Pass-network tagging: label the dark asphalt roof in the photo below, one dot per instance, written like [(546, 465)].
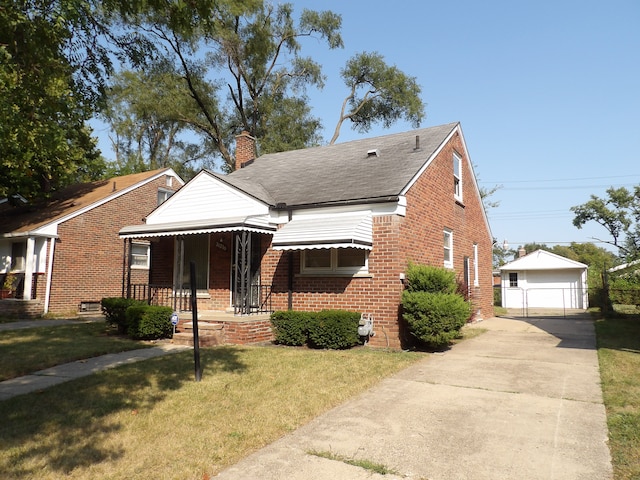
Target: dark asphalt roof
[(342, 172)]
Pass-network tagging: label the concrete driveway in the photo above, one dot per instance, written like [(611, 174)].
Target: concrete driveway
[(521, 401)]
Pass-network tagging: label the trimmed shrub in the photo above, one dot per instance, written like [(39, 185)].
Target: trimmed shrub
[(435, 319), (334, 329), (290, 327), (425, 278), (149, 322), (115, 311)]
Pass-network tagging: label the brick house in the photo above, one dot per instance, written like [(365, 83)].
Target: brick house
[(66, 255), (325, 227)]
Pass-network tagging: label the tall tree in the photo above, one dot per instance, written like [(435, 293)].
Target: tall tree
[(44, 141), (242, 68), (142, 108), (377, 92), (619, 214)]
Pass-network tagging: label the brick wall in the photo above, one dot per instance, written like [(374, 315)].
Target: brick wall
[(88, 263), (431, 208), (417, 237)]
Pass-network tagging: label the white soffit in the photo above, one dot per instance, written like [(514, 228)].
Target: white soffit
[(337, 231)]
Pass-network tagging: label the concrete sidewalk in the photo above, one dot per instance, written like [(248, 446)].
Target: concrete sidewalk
[(521, 401)]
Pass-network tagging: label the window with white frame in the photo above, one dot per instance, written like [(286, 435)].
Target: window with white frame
[(163, 195), (513, 279), (448, 248), (476, 280), (334, 261), (140, 256), (457, 177)]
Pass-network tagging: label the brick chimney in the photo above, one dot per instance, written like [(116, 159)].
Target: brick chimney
[(245, 149), (521, 252)]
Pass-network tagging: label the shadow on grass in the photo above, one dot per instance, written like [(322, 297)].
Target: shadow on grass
[(619, 332), (74, 424)]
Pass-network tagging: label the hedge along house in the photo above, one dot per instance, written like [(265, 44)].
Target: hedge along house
[(543, 279), (65, 255), (329, 227)]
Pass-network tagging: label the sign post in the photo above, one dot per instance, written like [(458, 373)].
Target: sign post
[(194, 316)]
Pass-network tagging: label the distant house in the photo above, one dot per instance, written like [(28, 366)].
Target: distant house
[(543, 279), (65, 255), (331, 227)]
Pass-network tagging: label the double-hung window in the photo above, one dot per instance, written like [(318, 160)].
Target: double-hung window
[(448, 248), (140, 255), (334, 261), (457, 177), (513, 279)]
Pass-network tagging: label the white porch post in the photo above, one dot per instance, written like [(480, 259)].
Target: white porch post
[(29, 268)]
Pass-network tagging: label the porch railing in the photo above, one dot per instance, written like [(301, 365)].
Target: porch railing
[(162, 295), (258, 301)]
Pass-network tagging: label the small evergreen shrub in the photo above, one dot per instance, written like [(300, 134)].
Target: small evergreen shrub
[(115, 311), (334, 329), (435, 319), (290, 327), (149, 322), (425, 278)]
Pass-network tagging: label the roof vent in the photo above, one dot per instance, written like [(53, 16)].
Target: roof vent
[(373, 153), (417, 142)]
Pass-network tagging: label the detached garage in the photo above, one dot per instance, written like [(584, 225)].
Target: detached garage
[(543, 279)]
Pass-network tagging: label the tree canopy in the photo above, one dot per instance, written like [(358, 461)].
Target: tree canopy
[(619, 214), (44, 140), (191, 76)]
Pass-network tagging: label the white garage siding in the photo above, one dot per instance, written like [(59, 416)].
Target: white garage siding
[(543, 279)]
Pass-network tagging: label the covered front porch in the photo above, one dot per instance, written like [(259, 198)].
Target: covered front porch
[(225, 256)]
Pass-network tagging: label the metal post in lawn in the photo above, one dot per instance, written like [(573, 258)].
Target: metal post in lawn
[(194, 317)]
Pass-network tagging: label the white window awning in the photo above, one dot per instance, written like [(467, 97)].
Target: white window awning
[(335, 231), (258, 224)]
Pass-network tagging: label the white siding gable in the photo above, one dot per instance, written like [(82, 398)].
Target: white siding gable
[(205, 197)]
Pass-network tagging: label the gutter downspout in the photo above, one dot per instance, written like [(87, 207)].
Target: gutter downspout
[(47, 293), (290, 273)]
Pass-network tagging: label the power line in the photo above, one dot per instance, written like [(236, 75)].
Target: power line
[(560, 179)]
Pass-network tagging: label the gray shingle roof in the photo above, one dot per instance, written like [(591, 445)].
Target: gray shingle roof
[(342, 172)]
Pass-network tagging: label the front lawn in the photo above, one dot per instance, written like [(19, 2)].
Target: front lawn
[(32, 349), (152, 420), (619, 356)]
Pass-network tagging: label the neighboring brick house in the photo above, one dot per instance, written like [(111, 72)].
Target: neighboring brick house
[(66, 254), (326, 227)]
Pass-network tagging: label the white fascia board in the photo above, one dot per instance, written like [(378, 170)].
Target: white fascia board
[(48, 227)]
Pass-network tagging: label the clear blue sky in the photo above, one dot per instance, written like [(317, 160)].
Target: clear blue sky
[(547, 93)]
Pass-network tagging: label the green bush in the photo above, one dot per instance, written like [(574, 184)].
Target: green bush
[(290, 327), (497, 296), (115, 311), (334, 329), (435, 319), (425, 278), (149, 322)]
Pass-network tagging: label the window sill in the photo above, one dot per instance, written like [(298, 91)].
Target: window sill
[(335, 274), (459, 202)]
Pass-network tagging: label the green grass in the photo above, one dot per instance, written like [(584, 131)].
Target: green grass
[(362, 463), (151, 419), (619, 357), (29, 350)]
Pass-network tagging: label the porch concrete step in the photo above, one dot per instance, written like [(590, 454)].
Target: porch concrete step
[(186, 338)]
